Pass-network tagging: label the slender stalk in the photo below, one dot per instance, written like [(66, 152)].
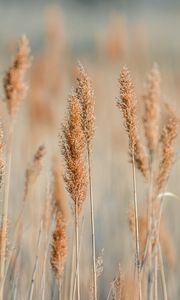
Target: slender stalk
[(150, 221), (77, 284), (163, 279), (17, 273), (60, 290), (137, 267), (72, 269), (5, 208), (156, 278), (36, 263), (77, 266), (43, 277), (109, 293), (92, 227)]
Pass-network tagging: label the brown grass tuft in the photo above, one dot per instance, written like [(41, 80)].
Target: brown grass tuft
[(14, 86), (127, 104), (73, 147), (151, 113), (167, 138), (59, 247), (85, 95)]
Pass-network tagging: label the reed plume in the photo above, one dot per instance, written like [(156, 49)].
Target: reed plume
[(59, 248), (33, 171), (167, 138), (75, 176), (14, 90), (73, 146), (151, 113), (127, 104), (85, 96), (14, 86)]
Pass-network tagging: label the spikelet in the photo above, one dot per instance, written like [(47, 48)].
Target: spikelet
[(14, 86), (151, 113), (127, 104), (33, 171), (85, 95), (167, 138), (59, 247), (73, 147)]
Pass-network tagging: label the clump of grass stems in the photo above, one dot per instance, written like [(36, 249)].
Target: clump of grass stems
[(15, 90), (147, 229)]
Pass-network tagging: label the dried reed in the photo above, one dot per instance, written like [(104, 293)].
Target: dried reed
[(167, 138), (15, 90), (85, 96), (151, 113), (127, 104), (59, 250), (75, 176)]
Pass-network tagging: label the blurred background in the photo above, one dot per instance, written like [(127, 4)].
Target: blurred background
[(104, 35)]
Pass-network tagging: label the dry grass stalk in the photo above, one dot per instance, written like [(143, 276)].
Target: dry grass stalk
[(73, 150), (14, 89), (59, 248), (151, 113), (33, 171), (85, 96), (99, 271), (167, 138), (73, 147), (1, 155), (151, 120), (127, 104), (14, 86)]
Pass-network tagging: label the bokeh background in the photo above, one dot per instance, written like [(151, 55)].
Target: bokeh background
[(104, 35)]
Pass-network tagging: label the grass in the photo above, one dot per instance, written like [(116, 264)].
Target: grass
[(65, 201)]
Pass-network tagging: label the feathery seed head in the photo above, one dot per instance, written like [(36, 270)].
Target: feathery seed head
[(73, 148), (59, 247), (85, 95), (168, 136), (151, 113), (14, 86), (127, 104)]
